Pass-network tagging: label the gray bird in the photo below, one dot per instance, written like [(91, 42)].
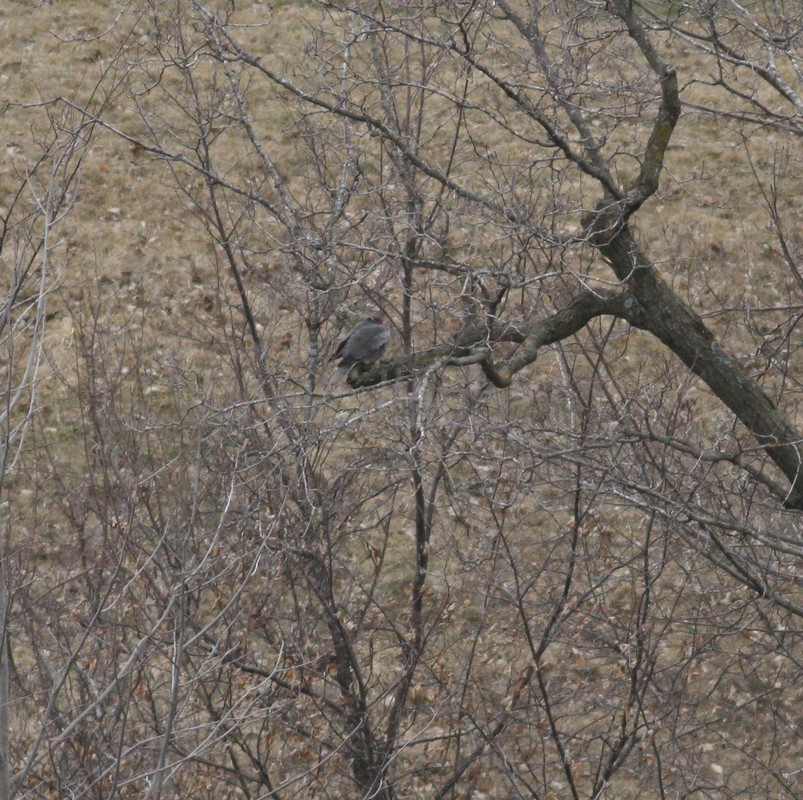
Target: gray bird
[(364, 344)]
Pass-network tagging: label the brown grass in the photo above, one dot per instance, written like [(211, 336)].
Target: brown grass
[(135, 262)]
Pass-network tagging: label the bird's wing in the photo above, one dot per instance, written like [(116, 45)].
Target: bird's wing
[(383, 336), (364, 341), (346, 348), (341, 348), (376, 340)]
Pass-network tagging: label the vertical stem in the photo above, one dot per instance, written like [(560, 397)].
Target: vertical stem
[(421, 561), (4, 651)]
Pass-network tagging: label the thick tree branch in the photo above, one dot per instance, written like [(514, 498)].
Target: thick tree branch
[(671, 320), (662, 130), (476, 342), (583, 308), (668, 113), (677, 325)]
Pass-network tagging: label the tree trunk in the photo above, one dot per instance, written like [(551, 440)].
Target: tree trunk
[(684, 333)]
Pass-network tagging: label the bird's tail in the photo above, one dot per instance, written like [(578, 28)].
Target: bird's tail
[(339, 375)]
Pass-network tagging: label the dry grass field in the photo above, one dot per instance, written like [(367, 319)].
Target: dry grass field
[(221, 580)]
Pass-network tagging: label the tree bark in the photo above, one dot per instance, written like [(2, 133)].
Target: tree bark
[(677, 326)]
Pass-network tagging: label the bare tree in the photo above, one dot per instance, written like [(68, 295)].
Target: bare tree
[(41, 195), (550, 545)]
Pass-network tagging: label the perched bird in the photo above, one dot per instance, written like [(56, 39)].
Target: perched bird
[(364, 344)]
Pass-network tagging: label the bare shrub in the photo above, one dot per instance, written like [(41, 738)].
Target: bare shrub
[(550, 545)]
